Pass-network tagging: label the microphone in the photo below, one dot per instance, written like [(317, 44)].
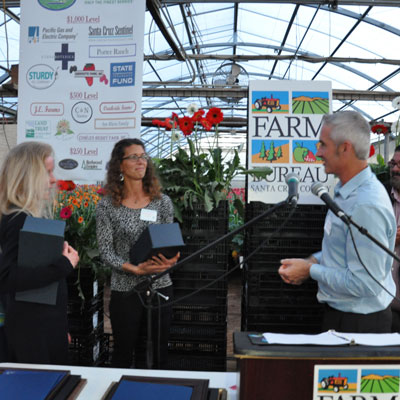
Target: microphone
[(321, 191), (292, 180)]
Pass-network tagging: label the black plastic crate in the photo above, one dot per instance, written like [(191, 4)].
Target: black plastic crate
[(302, 211), (78, 305), (199, 314), (87, 350), (89, 285), (201, 221), (196, 363), (204, 297), (199, 332), (198, 347), (217, 254), (298, 328), (85, 324), (284, 314)]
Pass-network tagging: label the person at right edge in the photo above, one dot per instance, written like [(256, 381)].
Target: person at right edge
[(355, 301), (394, 169)]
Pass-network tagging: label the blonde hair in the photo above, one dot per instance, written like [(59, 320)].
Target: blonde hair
[(24, 180)]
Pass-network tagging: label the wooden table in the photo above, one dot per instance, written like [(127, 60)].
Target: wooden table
[(286, 372)]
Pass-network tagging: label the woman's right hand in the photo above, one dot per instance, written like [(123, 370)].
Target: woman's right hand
[(71, 254), (149, 267)]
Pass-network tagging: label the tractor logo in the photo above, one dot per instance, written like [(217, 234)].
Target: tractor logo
[(269, 104), (335, 382)]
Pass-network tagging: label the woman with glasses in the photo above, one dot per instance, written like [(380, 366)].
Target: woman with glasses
[(133, 201), (35, 332)]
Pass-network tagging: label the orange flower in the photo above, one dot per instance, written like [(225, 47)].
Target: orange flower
[(80, 219)]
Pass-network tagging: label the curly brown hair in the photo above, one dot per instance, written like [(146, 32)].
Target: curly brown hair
[(115, 187)]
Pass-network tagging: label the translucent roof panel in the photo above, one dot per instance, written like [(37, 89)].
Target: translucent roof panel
[(259, 41)]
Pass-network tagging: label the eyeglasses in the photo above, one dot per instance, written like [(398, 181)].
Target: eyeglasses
[(136, 158), (393, 163)]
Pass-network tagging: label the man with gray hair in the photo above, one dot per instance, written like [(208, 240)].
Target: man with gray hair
[(353, 274)]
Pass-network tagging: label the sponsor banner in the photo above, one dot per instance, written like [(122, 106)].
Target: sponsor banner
[(356, 382), (80, 84), (284, 127)]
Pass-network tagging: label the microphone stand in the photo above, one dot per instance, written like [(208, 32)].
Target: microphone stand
[(142, 286), (145, 285)]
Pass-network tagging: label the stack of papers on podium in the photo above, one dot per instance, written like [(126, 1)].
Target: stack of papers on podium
[(333, 338)]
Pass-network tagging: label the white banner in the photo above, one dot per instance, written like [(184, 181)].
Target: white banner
[(80, 80), (284, 127)]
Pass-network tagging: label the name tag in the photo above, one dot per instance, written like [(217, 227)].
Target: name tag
[(148, 215), (328, 225)]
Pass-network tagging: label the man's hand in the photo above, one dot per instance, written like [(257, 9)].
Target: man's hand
[(295, 270)]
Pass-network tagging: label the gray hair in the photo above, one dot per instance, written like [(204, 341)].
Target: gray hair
[(351, 126)]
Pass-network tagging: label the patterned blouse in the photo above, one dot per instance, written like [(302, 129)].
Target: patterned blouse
[(118, 228)]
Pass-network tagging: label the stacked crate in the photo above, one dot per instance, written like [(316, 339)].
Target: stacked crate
[(85, 319), (198, 330), (269, 304)]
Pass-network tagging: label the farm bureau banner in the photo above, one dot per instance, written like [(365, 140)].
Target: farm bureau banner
[(80, 80), (284, 127), (356, 382)]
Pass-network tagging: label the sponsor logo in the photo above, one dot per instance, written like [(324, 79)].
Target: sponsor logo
[(81, 112), (101, 137), (64, 56), (37, 129), (56, 5), (117, 107), (110, 32), (116, 50), (89, 72), (33, 34), (68, 163), (91, 165), (115, 123), (58, 33), (40, 109), (41, 76), (122, 74), (64, 131)]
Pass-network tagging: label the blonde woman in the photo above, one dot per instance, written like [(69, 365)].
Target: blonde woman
[(35, 333)]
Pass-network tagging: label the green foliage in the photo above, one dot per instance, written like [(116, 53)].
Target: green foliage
[(194, 177)]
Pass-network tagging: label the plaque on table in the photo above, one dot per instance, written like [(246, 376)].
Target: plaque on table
[(155, 239), (41, 243)]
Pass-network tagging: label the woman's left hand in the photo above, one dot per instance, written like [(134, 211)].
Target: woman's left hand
[(161, 260)]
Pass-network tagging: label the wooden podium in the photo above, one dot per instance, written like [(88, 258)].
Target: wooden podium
[(287, 372)]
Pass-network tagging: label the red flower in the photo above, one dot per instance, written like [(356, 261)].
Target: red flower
[(186, 125), (197, 116), (380, 129), (371, 150), (65, 213), (206, 124), (101, 191), (66, 185), (215, 115), (170, 123), (158, 122)]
